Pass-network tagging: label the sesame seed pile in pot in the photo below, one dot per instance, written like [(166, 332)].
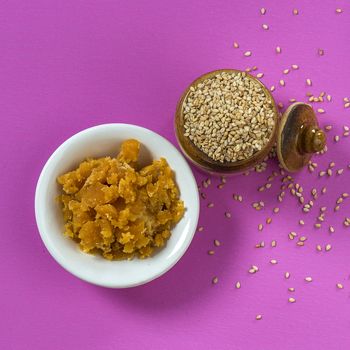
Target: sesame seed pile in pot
[(229, 116)]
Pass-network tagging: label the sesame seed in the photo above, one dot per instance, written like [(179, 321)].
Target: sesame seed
[(328, 127), (329, 98), (291, 289), (318, 247), (272, 88), (247, 53), (282, 82), (340, 286), (301, 222), (338, 10), (263, 10), (273, 244), (260, 75), (308, 279), (308, 82), (320, 52), (211, 252), (295, 12), (260, 227), (317, 225), (217, 243), (228, 215), (302, 238), (286, 71), (328, 247), (347, 105), (236, 45), (320, 110), (345, 195), (291, 300), (286, 275), (265, 26), (340, 171), (238, 285), (215, 280), (300, 244), (210, 205), (268, 220), (278, 49), (273, 261), (331, 229), (295, 66), (200, 228), (258, 317)]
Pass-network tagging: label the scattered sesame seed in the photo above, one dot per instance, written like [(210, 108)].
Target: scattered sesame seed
[(340, 171), (263, 10), (268, 220), (295, 66), (217, 243), (282, 82), (320, 110), (276, 210), (320, 52), (260, 75), (286, 71), (215, 280), (340, 286), (328, 127), (308, 279), (273, 261), (318, 247), (347, 105), (338, 10), (317, 225), (331, 229), (295, 12), (200, 228), (302, 238), (291, 289), (286, 275), (272, 88), (273, 244), (210, 205), (228, 215), (328, 247), (265, 26), (291, 300), (260, 227), (247, 53), (211, 252), (258, 317), (236, 45), (278, 49), (308, 82), (301, 222), (238, 285), (329, 98)]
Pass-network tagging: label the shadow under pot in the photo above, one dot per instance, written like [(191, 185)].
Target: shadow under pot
[(227, 122)]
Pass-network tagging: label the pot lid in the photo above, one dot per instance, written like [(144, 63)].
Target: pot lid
[(298, 136)]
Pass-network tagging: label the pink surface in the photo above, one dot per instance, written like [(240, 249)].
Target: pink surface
[(68, 65)]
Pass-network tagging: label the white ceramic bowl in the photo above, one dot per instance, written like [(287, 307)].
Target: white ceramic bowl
[(104, 140)]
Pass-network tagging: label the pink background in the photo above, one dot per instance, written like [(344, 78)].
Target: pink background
[(68, 65)]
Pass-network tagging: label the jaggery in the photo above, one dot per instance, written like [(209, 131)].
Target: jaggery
[(113, 207)]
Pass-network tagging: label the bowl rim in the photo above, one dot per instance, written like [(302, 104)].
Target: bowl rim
[(59, 257), (202, 160)]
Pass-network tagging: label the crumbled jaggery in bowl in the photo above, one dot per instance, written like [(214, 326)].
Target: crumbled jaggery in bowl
[(113, 207)]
